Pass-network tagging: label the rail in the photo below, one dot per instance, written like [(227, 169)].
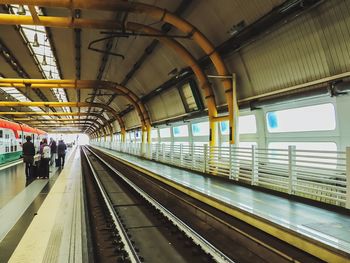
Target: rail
[(133, 256), (216, 254), (319, 175)]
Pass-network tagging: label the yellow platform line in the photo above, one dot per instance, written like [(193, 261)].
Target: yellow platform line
[(304, 243)]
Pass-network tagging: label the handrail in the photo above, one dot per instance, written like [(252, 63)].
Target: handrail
[(323, 176)]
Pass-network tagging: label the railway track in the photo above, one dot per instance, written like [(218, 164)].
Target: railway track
[(133, 220), (131, 226)]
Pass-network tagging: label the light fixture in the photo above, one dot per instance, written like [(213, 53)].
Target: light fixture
[(44, 63), (36, 42), (21, 10)]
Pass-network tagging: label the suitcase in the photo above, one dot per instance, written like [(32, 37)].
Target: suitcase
[(34, 171), (44, 168), (58, 162)]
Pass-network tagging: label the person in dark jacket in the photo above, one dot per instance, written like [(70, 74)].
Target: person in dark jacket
[(61, 152), (28, 155), (53, 148)]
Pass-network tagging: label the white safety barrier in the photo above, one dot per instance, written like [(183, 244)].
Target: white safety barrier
[(318, 175)]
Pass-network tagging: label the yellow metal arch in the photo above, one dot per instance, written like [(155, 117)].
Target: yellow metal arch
[(68, 104), (153, 11)]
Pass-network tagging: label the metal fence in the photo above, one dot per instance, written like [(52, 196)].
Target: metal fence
[(318, 175)]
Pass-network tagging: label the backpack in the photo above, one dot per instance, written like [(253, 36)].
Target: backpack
[(46, 152)]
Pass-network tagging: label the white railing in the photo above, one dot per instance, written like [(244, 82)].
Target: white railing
[(318, 175)]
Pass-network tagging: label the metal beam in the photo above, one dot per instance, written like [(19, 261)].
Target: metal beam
[(66, 104), (156, 13)]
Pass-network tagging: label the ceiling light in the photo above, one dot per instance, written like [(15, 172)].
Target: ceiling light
[(44, 63), (36, 42), (21, 10)]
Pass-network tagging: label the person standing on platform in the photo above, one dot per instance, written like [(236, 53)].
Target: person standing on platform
[(61, 152), (28, 155), (45, 159), (53, 148)]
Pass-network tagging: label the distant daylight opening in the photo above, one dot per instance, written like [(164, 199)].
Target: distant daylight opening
[(70, 139)]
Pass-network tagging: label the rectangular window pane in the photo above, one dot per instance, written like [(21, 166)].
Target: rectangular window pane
[(224, 127), (310, 118), (247, 124), (138, 134), (180, 131), (165, 133), (154, 133), (200, 129)]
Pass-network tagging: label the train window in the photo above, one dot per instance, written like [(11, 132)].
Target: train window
[(1, 133), (165, 133), (246, 125), (180, 131), (302, 119)]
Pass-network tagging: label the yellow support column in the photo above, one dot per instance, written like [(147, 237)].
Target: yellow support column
[(149, 133), (123, 133), (234, 113)]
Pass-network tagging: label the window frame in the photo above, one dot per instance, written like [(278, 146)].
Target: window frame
[(298, 106)]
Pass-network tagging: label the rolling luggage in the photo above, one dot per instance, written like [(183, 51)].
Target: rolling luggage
[(44, 168), (34, 171), (58, 162)]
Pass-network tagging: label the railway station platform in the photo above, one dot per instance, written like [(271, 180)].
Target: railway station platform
[(38, 220), (318, 231)]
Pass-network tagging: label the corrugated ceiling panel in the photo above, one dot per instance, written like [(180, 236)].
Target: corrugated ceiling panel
[(167, 105), (314, 46), (173, 103), (156, 109), (131, 120)]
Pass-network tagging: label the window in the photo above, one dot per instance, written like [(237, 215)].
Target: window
[(164, 133), (246, 125), (180, 131), (200, 129), (1, 133), (154, 134), (310, 118), (138, 134), (6, 149), (225, 127)]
